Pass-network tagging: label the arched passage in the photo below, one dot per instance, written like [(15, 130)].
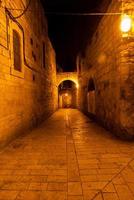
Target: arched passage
[(64, 76), (91, 97), (67, 94)]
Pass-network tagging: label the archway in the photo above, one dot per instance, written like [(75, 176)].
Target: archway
[(67, 94), (63, 76), (91, 97)]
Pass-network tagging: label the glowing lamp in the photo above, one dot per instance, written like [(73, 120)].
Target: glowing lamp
[(66, 94), (126, 24)]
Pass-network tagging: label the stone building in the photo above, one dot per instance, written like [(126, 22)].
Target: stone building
[(106, 72), (28, 91)]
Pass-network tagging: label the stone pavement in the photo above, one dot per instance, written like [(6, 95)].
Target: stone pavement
[(67, 158)]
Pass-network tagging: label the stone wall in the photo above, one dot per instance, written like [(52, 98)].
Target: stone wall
[(30, 95), (109, 63)]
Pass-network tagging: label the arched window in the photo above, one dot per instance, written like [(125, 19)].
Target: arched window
[(91, 86), (17, 51)]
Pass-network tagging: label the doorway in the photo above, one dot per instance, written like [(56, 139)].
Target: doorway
[(91, 104)]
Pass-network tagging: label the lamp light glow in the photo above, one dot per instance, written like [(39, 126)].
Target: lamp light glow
[(126, 24), (77, 85)]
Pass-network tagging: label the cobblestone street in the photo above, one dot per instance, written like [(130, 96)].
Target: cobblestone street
[(69, 157)]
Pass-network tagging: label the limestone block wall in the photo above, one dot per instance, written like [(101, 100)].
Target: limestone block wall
[(28, 96), (109, 63)]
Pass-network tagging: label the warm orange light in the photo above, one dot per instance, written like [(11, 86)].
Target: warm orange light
[(126, 24), (66, 94), (77, 85)]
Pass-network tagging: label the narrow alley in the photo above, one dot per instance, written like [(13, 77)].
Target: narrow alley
[(67, 100), (68, 157)]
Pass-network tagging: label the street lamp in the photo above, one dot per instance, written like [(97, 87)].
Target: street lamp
[(126, 23)]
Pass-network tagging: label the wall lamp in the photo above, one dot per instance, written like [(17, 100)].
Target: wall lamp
[(126, 23)]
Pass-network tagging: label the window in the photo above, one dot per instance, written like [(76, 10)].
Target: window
[(91, 85), (31, 41), (91, 97), (17, 51), (34, 56), (44, 54)]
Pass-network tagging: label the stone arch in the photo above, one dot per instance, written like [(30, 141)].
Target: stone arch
[(68, 79), (72, 77), (64, 76)]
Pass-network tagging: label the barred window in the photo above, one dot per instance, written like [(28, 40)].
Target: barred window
[(17, 51)]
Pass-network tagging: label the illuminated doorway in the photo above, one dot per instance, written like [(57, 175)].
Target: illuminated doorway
[(67, 94)]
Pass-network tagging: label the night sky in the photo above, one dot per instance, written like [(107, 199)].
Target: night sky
[(69, 34)]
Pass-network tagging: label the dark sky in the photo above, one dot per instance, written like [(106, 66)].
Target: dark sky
[(69, 33)]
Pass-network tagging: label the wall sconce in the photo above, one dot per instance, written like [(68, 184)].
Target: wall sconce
[(126, 23)]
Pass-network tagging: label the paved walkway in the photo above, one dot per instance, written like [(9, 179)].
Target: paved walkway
[(68, 158)]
